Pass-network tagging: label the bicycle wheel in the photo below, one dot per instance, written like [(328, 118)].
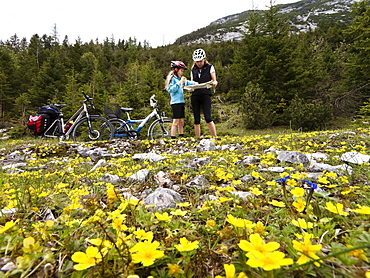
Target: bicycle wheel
[(101, 129), (119, 127), (160, 129)]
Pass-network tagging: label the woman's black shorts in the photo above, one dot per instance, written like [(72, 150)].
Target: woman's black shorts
[(178, 110)]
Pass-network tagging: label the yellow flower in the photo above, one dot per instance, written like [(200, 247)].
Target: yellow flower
[(210, 223), (88, 259), (174, 270), (184, 205), (8, 225), (24, 262), (348, 191), (301, 223), (271, 183), (331, 174), (224, 199), (297, 191), (239, 222), (268, 261), (178, 212), (308, 251), (259, 228), (277, 203), (30, 246), (236, 182), (100, 242), (291, 182), (361, 209), (229, 270), (146, 252), (257, 244), (163, 216), (118, 225), (344, 179), (140, 233), (323, 180), (256, 191), (337, 209), (186, 245), (299, 204), (257, 176), (227, 188), (111, 193), (358, 253)]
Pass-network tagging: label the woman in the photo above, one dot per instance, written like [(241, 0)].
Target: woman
[(175, 83), (202, 72)]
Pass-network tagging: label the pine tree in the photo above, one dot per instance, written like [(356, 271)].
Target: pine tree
[(358, 66)]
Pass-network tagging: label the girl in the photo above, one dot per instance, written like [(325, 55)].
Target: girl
[(175, 83)]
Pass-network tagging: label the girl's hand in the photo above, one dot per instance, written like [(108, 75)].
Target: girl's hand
[(183, 80)]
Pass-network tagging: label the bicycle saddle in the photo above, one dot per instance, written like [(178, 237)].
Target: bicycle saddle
[(126, 109), (59, 106)]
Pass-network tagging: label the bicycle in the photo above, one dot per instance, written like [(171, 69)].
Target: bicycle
[(125, 128), (82, 126)]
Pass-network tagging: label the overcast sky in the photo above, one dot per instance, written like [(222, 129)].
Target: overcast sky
[(159, 22)]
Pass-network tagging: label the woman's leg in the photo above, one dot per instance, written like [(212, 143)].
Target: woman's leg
[(197, 130), (212, 129), (195, 104), (207, 105)]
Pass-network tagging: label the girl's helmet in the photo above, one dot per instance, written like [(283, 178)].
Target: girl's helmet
[(178, 65), (199, 54)]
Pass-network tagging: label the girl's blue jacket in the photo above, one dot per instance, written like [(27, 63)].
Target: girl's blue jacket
[(176, 90)]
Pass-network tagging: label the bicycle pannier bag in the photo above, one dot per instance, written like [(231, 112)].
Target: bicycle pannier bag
[(37, 124)]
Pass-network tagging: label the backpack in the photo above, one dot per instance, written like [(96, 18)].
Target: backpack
[(50, 110), (38, 123)]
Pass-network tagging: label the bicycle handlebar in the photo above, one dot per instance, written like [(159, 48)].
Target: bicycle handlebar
[(89, 99), (152, 101)]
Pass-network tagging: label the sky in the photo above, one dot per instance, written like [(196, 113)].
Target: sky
[(158, 22)]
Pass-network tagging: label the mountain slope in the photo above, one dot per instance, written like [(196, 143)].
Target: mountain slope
[(302, 16)]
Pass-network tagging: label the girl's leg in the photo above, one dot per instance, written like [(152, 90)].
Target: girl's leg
[(175, 124), (180, 127)]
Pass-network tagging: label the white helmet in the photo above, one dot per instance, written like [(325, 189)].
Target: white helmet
[(199, 54)]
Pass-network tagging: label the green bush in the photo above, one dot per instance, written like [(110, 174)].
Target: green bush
[(255, 108), (308, 116)]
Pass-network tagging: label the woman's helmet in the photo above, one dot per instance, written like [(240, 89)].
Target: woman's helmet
[(178, 65), (199, 54)]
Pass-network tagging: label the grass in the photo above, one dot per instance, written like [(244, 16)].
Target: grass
[(282, 229)]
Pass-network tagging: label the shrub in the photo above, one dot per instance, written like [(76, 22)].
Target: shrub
[(255, 108), (309, 116)]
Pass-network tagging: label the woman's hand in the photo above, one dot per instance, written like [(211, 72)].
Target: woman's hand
[(214, 83)]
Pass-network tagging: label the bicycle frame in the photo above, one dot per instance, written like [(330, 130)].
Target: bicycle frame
[(141, 122), (59, 122)]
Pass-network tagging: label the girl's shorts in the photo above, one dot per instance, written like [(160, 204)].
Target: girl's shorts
[(178, 110)]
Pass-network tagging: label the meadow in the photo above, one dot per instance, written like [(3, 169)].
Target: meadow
[(59, 219)]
